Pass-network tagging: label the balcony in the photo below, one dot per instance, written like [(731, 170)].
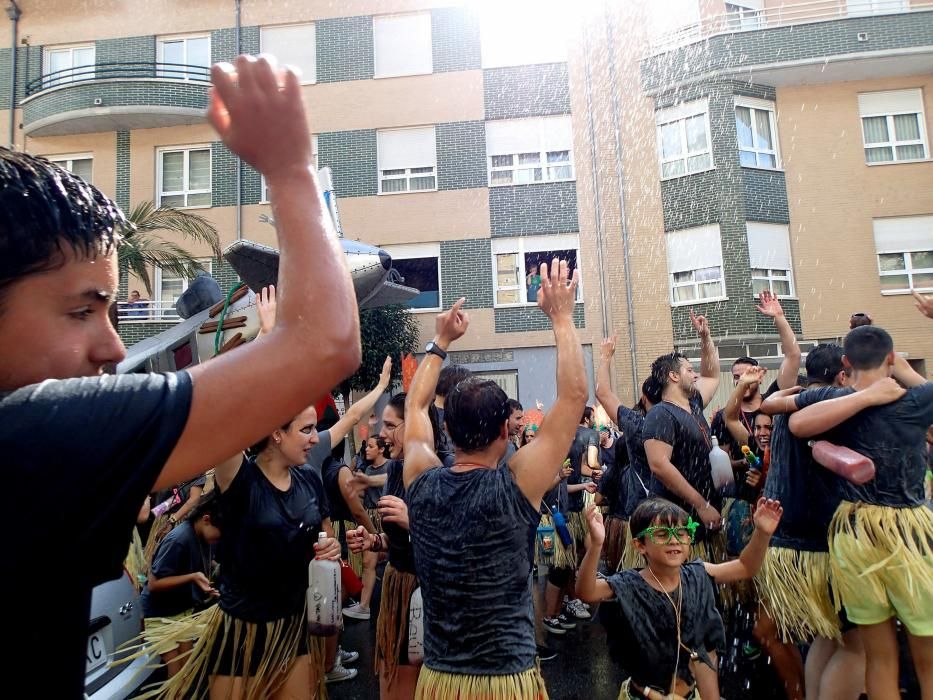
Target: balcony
[(147, 312), (817, 41), (115, 97)]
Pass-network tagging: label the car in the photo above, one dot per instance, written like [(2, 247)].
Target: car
[(116, 618)]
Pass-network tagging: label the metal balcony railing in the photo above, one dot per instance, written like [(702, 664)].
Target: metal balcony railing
[(784, 15), (123, 70), (147, 312)]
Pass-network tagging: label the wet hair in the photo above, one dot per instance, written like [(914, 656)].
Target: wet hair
[(824, 362), (515, 406), (745, 361), (381, 444), (866, 347), (651, 389), (475, 411), (208, 504), (450, 376), (264, 443), (587, 414), (656, 511), (45, 213), (397, 402), (663, 366), (859, 319)]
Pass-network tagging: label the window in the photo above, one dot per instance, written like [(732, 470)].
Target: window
[(419, 264), (511, 35), (683, 139), (506, 379), (67, 64), (169, 287), (317, 166), (77, 165), (769, 258), (402, 45), (185, 57), (184, 177), (516, 262), (905, 253), (892, 126), (876, 7), (694, 261), (293, 45), (522, 151), (757, 133), (407, 160), (745, 15)]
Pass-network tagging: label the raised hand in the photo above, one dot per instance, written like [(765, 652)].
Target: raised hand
[(768, 514), (753, 376), (884, 391), (452, 324), (386, 373), (770, 306), (558, 292), (607, 348), (924, 304), (596, 531), (700, 324), (257, 110), (266, 307)]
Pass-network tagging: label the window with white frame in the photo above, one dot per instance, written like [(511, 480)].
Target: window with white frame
[(402, 45), (407, 160), (769, 258), (684, 139), (757, 133), (876, 7), (694, 263), (292, 45), (516, 264), (317, 166), (169, 287), (185, 57), (905, 253), (66, 64), (744, 15), (419, 265), (523, 151), (893, 126), (184, 177), (80, 165), (510, 35)]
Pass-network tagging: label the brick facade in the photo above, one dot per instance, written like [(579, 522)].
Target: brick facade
[(352, 157), (519, 319), (461, 155), (123, 192), (466, 271), (524, 210), (344, 49), (455, 39), (526, 91), (223, 176)]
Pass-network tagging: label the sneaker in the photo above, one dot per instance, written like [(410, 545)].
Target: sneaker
[(565, 622), (546, 653), (338, 673), (575, 608), (357, 612), (346, 658), (552, 625)]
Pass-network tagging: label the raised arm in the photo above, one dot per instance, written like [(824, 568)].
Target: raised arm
[(419, 435), (535, 464), (351, 496), (790, 366), (708, 381), (906, 374), (782, 401), (732, 411), (591, 589), (362, 408), (924, 304), (659, 460), (767, 516), (604, 393), (826, 415), (241, 396)]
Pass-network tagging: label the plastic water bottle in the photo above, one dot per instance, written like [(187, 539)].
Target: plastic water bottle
[(848, 464), (416, 628), (324, 614), (720, 466)]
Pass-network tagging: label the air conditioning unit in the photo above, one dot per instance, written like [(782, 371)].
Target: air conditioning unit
[(862, 36), (98, 102)]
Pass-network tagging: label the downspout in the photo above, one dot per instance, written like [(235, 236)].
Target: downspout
[(626, 260), (14, 13), (239, 161)]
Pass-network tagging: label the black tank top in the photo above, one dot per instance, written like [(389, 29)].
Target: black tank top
[(400, 552)]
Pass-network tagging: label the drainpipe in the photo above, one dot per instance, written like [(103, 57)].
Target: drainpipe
[(14, 13), (626, 260), (239, 161)]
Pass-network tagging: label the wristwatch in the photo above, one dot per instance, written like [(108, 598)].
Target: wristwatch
[(434, 349)]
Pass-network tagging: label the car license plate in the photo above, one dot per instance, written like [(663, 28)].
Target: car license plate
[(96, 651)]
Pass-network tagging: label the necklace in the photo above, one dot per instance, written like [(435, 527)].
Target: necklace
[(677, 610)]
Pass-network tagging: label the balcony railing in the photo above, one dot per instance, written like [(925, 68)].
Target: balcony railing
[(784, 15), (147, 312), (122, 70)]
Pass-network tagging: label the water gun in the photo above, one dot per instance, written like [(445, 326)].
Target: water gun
[(753, 461)]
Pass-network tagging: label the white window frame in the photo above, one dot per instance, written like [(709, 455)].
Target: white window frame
[(406, 173), (694, 282), (178, 74), (680, 114), (904, 246), (187, 171), (305, 79), (67, 161), (769, 266), (159, 313), (762, 106), (519, 246), (377, 73), (543, 151), (264, 195), (892, 143), (908, 270), (867, 8), (771, 278), (413, 251), (62, 79), (748, 15)]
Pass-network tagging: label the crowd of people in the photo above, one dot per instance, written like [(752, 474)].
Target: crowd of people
[(500, 530)]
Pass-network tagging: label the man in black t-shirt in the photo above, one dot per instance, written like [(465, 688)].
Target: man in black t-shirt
[(93, 445)]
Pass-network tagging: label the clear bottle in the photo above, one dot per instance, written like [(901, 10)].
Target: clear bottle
[(720, 466), (324, 614), (416, 628)]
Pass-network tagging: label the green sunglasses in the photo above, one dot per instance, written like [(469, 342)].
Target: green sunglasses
[(663, 534)]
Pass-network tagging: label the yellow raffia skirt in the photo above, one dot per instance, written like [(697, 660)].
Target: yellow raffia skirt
[(437, 685), (794, 587), (136, 563), (355, 559), (881, 554), (161, 526), (392, 624)]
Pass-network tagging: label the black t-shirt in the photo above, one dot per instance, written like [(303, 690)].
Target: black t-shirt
[(893, 436), (607, 455), (726, 442), (688, 435), (584, 439), (339, 510), (400, 553), (637, 477), (612, 486), (89, 450), (179, 553), (268, 542)]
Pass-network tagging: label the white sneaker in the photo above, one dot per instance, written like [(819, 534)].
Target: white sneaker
[(338, 673), (347, 657), (357, 612), (575, 608)]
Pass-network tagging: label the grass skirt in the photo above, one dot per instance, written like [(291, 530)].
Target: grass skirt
[(614, 544), (392, 623), (376, 519), (437, 685), (355, 559), (878, 548), (137, 566), (161, 526), (794, 587)]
